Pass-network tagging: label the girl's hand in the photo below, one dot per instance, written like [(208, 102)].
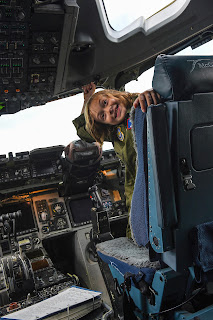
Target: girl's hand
[(88, 89), (146, 98)]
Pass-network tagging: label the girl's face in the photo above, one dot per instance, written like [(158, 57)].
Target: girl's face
[(108, 109)]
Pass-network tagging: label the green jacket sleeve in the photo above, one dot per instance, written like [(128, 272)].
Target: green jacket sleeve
[(79, 124)]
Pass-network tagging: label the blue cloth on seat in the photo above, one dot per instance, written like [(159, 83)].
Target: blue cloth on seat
[(139, 204)]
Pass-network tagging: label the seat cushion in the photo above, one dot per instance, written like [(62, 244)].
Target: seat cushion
[(124, 256)]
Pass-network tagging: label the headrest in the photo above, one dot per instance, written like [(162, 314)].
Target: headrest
[(180, 77), (82, 153), (81, 164)]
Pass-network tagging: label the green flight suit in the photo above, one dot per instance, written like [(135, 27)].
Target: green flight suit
[(122, 140)]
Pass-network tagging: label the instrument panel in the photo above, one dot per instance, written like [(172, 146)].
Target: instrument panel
[(51, 215), (37, 183), (40, 213), (27, 221), (30, 42), (30, 170)]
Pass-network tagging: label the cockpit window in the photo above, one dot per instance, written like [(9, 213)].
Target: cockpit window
[(51, 124), (145, 80), (122, 13)]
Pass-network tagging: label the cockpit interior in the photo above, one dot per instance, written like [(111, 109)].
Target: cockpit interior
[(64, 253)]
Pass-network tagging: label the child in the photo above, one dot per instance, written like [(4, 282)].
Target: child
[(105, 117)]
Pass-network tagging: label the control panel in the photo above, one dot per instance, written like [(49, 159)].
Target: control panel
[(51, 215), (45, 168), (31, 60), (27, 273), (14, 44), (29, 170), (37, 222), (108, 191), (28, 276)]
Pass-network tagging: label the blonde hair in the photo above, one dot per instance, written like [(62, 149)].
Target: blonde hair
[(100, 131)]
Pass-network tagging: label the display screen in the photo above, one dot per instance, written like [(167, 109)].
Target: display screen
[(25, 221), (35, 254), (44, 167), (80, 210), (5, 246)]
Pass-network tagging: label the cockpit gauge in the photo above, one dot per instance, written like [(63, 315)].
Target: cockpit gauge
[(45, 229), (58, 209), (43, 210), (43, 215), (61, 223)]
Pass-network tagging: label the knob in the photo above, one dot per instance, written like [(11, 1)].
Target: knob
[(21, 53), (52, 60), (20, 15), (40, 39), (36, 60), (50, 79), (36, 240), (54, 40)]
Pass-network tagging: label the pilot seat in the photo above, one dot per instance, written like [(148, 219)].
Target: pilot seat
[(165, 272)]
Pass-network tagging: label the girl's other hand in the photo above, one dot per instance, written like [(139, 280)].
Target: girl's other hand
[(88, 89), (146, 98)]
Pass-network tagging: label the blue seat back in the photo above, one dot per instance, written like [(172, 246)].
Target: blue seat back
[(180, 158)]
